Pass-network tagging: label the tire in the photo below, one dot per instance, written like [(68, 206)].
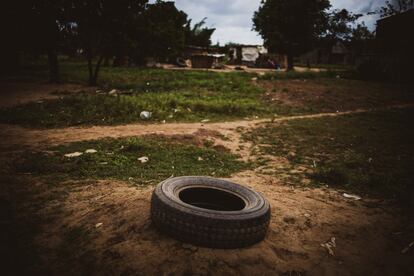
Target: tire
[(210, 212)]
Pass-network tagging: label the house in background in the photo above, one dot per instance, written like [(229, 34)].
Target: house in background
[(328, 53), (246, 54)]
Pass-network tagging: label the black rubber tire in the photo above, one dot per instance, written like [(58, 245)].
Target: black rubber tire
[(209, 228)]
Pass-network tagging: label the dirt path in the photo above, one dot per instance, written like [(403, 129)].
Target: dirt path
[(12, 137)]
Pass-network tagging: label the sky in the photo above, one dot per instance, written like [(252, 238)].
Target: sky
[(233, 18)]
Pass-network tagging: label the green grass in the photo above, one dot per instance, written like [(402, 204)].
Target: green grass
[(170, 95), (365, 153), (118, 159), (87, 109), (193, 96)]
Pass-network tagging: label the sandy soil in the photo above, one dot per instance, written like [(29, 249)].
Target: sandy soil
[(370, 234)]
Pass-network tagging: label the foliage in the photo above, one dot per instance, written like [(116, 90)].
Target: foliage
[(198, 35), (35, 27), (102, 23), (340, 25), (394, 7), (162, 35), (290, 27)]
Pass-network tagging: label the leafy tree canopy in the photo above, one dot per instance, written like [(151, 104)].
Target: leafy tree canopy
[(340, 24), (394, 7), (290, 27), (198, 35)]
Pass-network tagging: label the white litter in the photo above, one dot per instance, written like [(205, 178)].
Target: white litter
[(143, 159), (73, 154), (145, 115), (205, 121), (405, 250), (330, 246), (91, 151), (354, 197), (200, 159), (98, 225)]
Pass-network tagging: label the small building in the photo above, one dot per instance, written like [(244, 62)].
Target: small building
[(206, 61), (328, 53), (246, 54)]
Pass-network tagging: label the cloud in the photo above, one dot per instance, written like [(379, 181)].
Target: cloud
[(233, 18)]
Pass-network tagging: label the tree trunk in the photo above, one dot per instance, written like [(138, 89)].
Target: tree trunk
[(289, 62), (53, 66), (97, 68), (89, 57), (94, 71)]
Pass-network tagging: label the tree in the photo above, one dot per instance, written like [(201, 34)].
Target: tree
[(162, 35), (101, 24), (339, 25), (290, 27), (35, 27), (198, 35), (394, 7)]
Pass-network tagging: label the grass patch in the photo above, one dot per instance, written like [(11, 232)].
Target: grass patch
[(170, 95), (118, 159), (191, 96), (366, 153), (87, 109)]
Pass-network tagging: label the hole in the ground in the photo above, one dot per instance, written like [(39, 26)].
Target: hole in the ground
[(212, 199)]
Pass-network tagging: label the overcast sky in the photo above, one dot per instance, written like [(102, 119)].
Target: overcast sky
[(233, 18)]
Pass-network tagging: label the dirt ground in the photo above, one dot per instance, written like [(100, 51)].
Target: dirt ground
[(15, 93), (115, 237), (331, 95)]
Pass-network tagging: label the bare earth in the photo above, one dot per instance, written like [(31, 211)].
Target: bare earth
[(370, 234)]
